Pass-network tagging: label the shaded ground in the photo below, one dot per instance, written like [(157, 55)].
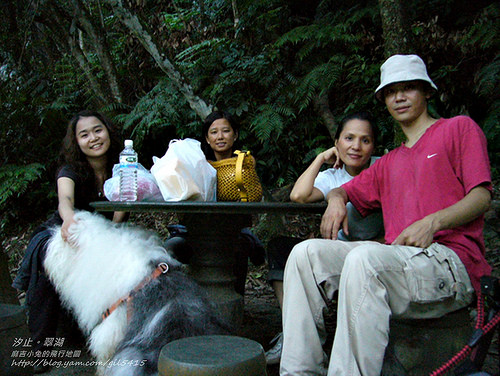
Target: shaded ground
[(262, 320), (262, 316)]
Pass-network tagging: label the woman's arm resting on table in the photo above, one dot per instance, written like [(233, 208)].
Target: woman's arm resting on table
[(304, 191), (421, 233), (335, 215)]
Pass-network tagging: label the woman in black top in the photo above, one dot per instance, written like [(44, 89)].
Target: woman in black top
[(89, 150)]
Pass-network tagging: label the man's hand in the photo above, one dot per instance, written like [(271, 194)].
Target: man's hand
[(421, 233), (418, 234), (335, 215)]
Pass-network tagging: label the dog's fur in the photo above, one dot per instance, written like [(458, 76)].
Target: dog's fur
[(105, 262)]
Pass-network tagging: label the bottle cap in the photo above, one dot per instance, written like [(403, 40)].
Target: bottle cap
[(129, 143)]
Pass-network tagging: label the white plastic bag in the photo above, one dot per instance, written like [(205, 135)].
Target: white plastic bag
[(183, 173), (147, 189)]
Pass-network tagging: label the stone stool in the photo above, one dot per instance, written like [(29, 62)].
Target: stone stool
[(418, 347), (215, 355), (13, 329)]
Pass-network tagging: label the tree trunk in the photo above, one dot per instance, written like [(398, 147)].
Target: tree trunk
[(66, 34), (322, 106), (395, 27), (98, 36), (135, 27), (83, 63), (396, 36), (236, 16), (13, 43)]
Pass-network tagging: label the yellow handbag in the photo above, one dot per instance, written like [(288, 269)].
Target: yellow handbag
[(237, 179)]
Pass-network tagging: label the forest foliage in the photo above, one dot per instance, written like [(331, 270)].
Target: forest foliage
[(289, 70)]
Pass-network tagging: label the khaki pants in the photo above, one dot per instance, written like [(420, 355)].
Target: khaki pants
[(374, 282)]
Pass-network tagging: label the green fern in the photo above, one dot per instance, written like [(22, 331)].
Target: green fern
[(15, 180), (162, 107), (484, 32), (199, 50), (270, 121), (322, 77), (319, 36), (488, 78)]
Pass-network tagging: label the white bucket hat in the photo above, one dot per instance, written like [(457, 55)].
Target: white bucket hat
[(400, 68)]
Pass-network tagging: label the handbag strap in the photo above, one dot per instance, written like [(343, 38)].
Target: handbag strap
[(239, 174)]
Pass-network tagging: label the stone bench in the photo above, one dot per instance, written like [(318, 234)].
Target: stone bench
[(215, 355), (13, 328), (418, 347)]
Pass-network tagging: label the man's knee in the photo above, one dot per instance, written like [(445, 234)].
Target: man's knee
[(364, 255), (305, 251)]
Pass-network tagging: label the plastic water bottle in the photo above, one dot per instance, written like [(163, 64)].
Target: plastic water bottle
[(128, 172)]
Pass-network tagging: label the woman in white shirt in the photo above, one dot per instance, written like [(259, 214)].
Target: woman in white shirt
[(352, 153)]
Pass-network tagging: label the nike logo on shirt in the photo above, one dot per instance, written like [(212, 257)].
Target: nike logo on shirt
[(431, 155)]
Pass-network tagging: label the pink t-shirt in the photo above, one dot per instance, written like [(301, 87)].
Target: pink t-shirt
[(438, 171)]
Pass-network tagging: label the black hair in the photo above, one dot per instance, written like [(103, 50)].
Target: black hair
[(72, 155), (207, 150), (363, 115)]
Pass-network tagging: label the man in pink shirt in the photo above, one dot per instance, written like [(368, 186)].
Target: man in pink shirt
[(433, 191)]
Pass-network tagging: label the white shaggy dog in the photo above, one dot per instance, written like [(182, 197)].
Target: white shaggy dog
[(104, 263)]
